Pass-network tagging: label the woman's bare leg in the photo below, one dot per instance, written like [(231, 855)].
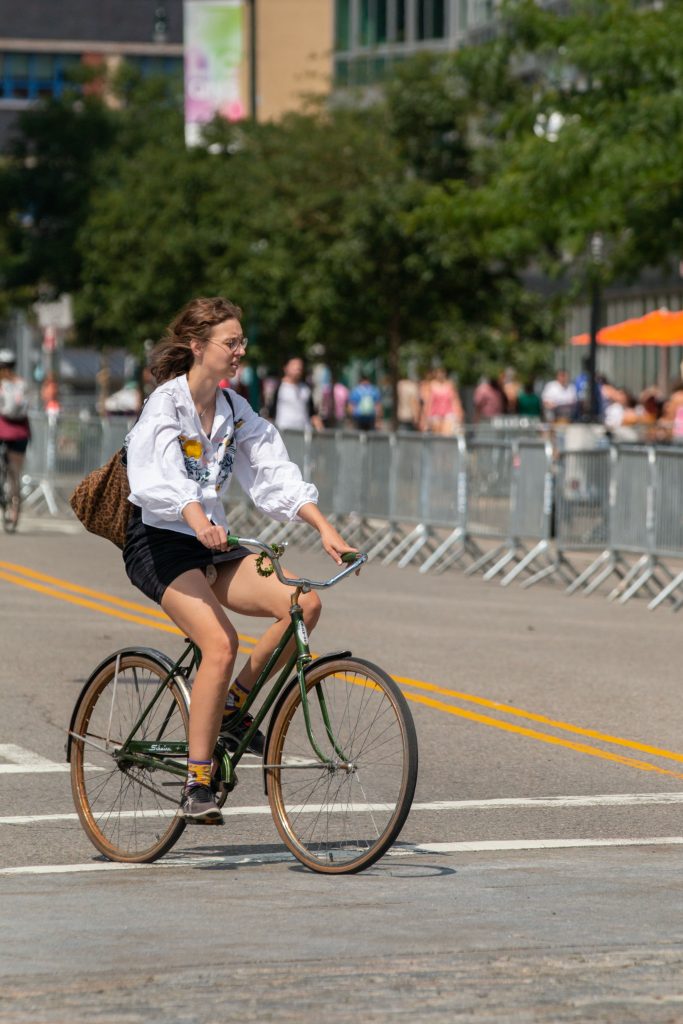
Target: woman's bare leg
[(240, 588), (194, 608)]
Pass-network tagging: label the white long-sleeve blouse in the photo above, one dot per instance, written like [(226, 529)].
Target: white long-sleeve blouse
[(172, 461)]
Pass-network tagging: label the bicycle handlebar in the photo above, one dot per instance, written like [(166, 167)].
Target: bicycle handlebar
[(356, 558)]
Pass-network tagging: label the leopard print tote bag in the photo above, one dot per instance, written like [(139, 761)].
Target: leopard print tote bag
[(101, 500)]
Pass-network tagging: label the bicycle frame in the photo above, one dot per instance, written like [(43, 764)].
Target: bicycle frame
[(155, 753)]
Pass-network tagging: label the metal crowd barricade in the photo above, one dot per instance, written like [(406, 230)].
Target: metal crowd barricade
[(532, 503), (410, 478), (509, 499), (426, 495), (63, 449), (582, 494), (337, 467), (668, 517), (377, 501), (631, 516), (489, 499), (298, 445), (445, 503)]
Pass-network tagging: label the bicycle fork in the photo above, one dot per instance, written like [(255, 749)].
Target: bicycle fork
[(304, 659)]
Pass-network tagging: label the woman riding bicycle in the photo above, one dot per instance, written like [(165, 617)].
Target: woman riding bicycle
[(181, 453), (15, 431)]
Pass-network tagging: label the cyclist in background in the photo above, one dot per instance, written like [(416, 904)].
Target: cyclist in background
[(15, 431)]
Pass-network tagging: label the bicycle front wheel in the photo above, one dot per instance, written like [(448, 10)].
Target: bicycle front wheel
[(338, 816), (128, 810)]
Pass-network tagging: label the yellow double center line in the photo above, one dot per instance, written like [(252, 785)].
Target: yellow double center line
[(145, 615), (22, 576)]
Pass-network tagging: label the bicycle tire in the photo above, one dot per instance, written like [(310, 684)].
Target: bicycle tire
[(9, 520), (127, 812), (313, 806)]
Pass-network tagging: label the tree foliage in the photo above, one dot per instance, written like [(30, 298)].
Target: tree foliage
[(415, 222)]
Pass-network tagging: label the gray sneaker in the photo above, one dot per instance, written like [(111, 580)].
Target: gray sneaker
[(198, 807)]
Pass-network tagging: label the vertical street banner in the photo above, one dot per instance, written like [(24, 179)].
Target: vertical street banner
[(214, 50)]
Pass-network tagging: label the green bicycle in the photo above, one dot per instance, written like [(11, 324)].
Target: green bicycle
[(340, 761)]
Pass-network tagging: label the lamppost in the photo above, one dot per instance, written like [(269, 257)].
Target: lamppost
[(597, 248)]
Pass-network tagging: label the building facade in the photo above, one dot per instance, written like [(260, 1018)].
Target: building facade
[(294, 40), (372, 35), (41, 41)]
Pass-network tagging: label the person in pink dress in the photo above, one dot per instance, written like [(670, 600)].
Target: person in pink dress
[(443, 409)]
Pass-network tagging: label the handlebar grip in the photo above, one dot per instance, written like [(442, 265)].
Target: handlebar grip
[(350, 556), (233, 542)]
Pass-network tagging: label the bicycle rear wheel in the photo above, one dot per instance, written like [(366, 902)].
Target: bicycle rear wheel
[(339, 817), (128, 810), (10, 516)]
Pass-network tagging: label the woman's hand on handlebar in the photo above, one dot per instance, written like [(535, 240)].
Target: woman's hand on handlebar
[(207, 533), (333, 543), (213, 537)]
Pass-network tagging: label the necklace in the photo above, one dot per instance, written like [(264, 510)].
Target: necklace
[(202, 412)]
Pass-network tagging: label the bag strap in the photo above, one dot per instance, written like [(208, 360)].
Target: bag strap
[(228, 397)]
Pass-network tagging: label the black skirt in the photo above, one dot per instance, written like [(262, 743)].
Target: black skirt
[(154, 558)]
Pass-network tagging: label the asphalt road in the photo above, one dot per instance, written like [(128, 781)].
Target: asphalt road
[(536, 878)]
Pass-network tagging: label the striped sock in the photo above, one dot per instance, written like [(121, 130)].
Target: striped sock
[(198, 774)]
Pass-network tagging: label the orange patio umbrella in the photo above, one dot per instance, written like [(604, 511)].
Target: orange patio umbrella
[(662, 327)]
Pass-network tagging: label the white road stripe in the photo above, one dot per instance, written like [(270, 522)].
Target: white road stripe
[(492, 846), (23, 761), (598, 800)]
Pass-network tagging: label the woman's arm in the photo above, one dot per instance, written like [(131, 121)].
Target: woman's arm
[(333, 543)]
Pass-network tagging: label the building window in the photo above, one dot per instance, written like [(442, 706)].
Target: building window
[(342, 25), (482, 12), (431, 20), (463, 19), (361, 71), (151, 65), (28, 76), (342, 73), (400, 21), (373, 22)]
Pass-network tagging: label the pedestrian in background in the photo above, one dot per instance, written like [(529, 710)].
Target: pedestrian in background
[(15, 430), (49, 394), (559, 398), (292, 406), (408, 404), (340, 400), (528, 402), (511, 389), (365, 405), (489, 399), (443, 412)]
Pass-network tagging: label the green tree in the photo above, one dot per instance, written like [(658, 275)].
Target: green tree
[(45, 185)]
